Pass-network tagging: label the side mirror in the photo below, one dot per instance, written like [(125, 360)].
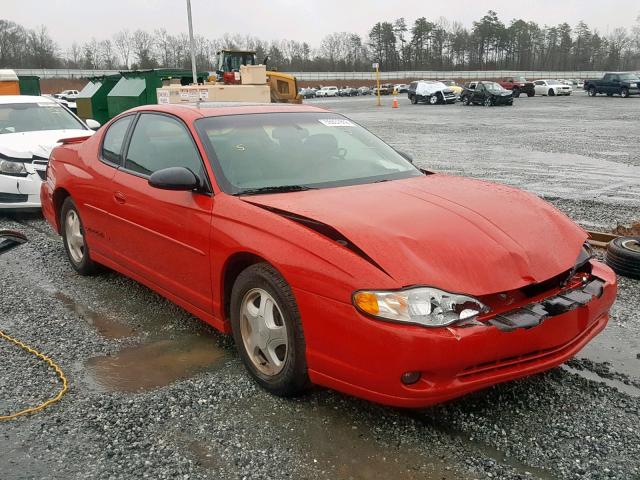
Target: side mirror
[(92, 124), (405, 155), (174, 178)]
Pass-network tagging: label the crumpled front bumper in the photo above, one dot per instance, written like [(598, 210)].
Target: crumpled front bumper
[(365, 357), (20, 192)]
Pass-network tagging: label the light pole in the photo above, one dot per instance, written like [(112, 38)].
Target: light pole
[(191, 42)]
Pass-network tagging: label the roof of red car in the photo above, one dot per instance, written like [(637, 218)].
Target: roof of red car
[(210, 109)]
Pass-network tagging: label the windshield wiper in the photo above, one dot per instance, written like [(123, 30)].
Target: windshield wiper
[(274, 189)]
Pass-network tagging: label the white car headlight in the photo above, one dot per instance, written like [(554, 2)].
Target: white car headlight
[(426, 306), (9, 167)]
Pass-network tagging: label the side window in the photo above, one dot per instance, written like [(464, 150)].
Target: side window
[(607, 77), (114, 138), (158, 142)]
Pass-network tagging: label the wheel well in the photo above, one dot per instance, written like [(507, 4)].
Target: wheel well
[(233, 267), (59, 197)]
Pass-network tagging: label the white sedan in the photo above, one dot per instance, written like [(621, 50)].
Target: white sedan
[(30, 127), (552, 88)]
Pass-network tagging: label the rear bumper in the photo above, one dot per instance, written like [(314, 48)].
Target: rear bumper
[(366, 358)]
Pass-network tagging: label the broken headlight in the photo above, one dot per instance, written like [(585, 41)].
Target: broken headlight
[(9, 167), (425, 306)]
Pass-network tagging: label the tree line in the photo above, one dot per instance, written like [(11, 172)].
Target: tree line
[(396, 45)]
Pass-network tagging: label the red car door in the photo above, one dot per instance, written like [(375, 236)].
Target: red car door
[(163, 235)]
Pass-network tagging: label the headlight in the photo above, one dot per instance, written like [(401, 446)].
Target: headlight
[(425, 306), (13, 168)]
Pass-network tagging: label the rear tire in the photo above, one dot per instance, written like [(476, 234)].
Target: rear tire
[(592, 92), (465, 101), (73, 238), (290, 378), (488, 102), (413, 99)]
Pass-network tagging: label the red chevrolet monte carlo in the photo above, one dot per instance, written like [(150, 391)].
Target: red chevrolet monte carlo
[(327, 254)]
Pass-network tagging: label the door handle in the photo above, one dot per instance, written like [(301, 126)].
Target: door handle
[(120, 197)]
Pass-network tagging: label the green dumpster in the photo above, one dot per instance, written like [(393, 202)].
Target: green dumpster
[(91, 102), (29, 84), (138, 87)]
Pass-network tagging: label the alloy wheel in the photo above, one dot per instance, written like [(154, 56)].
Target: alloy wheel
[(263, 331), (74, 236)]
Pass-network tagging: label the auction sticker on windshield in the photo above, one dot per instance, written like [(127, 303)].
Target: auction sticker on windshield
[(336, 122)]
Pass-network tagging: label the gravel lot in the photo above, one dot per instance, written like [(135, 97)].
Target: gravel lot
[(155, 393)]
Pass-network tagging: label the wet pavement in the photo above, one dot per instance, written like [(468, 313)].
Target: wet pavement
[(155, 392)]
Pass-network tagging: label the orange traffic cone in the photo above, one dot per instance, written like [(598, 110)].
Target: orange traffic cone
[(395, 102)]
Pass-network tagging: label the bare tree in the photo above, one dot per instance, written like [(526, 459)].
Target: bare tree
[(143, 43), (123, 42)]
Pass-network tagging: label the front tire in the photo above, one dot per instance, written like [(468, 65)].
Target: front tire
[(552, 92), (516, 92), (413, 99), (434, 99), (487, 102), (624, 93), (73, 238), (465, 101), (267, 331)]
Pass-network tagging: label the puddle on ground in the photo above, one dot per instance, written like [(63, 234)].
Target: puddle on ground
[(342, 447), (106, 326), (155, 364), (617, 384)]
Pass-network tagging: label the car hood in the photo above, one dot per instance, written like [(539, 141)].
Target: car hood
[(453, 233), (29, 144)]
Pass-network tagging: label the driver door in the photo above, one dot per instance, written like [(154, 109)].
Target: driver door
[(479, 93), (163, 236)]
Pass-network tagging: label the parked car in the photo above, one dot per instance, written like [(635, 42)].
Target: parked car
[(30, 126), (431, 92), (364, 91), (385, 89), (552, 87), (457, 89), (307, 93), (401, 88), (268, 242), (348, 92), (615, 83), (69, 95), (518, 85), (485, 93), (327, 92)]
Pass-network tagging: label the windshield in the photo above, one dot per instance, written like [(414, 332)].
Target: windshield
[(630, 76), (31, 117), (493, 87), (519, 79), (553, 82), (316, 150)]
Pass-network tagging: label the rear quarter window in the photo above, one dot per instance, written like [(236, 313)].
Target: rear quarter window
[(114, 140)]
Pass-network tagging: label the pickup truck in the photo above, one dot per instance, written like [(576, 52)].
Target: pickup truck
[(517, 85), (619, 83)]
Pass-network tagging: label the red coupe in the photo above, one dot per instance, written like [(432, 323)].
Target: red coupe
[(327, 254)]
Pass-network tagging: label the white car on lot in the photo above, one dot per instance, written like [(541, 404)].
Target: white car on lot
[(551, 88), (69, 95), (327, 92), (30, 127)]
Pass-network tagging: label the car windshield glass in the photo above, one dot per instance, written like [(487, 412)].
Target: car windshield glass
[(309, 150), (519, 79), (31, 117), (553, 82), (629, 76), (493, 87)]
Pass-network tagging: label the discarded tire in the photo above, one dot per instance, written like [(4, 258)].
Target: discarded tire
[(623, 256)]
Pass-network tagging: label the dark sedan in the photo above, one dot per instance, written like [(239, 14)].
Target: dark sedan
[(486, 93)]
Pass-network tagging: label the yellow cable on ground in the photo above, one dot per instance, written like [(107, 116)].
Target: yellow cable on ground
[(52, 364)]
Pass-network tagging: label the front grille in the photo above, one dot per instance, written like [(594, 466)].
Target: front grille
[(13, 197)]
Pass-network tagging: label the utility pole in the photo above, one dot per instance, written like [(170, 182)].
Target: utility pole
[(192, 43)]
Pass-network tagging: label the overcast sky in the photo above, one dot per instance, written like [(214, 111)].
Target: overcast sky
[(303, 20)]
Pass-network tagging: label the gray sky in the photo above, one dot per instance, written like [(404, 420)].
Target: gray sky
[(307, 20)]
